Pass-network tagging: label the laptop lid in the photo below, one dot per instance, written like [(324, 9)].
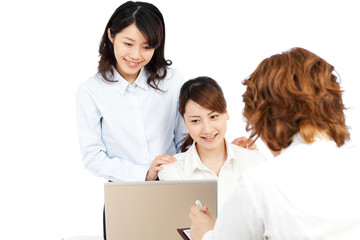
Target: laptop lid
[(154, 210)]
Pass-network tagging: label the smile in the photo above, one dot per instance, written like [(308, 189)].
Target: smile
[(132, 64), (210, 138)]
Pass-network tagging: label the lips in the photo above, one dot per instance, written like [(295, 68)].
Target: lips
[(209, 138), (132, 64)]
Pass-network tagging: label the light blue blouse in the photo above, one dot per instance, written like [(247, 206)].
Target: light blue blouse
[(122, 127)]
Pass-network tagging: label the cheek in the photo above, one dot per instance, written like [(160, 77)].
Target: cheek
[(223, 126), (148, 55), (193, 130), (119, 51)]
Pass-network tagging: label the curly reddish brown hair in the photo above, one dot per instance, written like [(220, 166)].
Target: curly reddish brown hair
[(292, 92)]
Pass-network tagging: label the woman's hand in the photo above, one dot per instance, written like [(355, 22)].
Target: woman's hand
[(201, 222), (156, 166), (244, 143)]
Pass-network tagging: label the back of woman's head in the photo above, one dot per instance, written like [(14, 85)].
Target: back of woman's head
[(292, 92), (149, 20), (204, 91)]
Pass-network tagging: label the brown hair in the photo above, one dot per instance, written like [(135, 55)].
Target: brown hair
[(292, 92), (206, 92), (149, 20)]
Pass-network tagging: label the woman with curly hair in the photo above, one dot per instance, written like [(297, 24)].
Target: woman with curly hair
[(293, 102)]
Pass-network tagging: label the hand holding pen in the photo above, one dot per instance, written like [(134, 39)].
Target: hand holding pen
[(201, 221)]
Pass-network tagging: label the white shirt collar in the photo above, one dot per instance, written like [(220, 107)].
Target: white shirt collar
[(141, 81), (298, 140), (195, 162)]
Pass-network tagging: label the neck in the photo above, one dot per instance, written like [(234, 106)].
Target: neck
[(275, 153), (130, 78), (213, 158)]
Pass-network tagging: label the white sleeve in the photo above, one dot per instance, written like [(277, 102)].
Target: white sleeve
[(93, 149), (239, 219)]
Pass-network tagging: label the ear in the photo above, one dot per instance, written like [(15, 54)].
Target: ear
[(185, 126), (227, 115), (109, 36)]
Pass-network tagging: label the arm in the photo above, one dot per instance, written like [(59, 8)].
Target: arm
[(92, 148)]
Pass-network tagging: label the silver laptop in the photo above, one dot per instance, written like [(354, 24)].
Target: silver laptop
[(154, 210)]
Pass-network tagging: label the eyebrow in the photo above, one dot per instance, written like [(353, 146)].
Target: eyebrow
[(130, 39), (194, 116)]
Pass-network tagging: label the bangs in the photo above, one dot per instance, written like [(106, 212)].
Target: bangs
[(209, 97), (151, 27)]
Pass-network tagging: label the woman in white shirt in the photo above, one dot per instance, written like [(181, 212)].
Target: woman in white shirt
[(310, 190), (127, 113), (206, 154)]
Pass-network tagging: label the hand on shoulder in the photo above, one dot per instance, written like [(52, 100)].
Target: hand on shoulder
[(156, 166)]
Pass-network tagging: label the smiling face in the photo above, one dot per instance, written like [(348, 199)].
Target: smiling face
[(132, 52), (205, 126)]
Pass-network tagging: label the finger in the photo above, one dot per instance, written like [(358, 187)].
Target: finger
[(206, 210), (240, 139), (195, 210), (157, 169), (162, 161), (239, 142), (165, 156), (168, 158)]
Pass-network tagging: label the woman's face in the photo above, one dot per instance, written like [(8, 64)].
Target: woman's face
[(132, 52), (205, 126)]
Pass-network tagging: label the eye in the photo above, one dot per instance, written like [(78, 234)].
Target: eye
[(194, 121), (148, 47), (214, 116), (128, 44)]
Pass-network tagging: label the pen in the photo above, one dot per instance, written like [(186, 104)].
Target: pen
[(197, 202)]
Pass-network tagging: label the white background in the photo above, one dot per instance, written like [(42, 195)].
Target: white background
[(49, 47)]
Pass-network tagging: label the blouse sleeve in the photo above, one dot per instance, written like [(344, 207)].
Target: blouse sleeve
[(93, 149)]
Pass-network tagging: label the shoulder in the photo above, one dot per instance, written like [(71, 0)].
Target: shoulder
[(180, 161), (173, 78), (173, 74), (174, 171), (95, 86), (91, 84)]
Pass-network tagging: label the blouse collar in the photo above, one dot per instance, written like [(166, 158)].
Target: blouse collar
[(141, 81), (193, 161)]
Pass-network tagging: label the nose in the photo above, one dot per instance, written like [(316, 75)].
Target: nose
[(206, 127), (135, 53)]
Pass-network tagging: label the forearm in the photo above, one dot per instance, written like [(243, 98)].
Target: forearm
[(114, 169)]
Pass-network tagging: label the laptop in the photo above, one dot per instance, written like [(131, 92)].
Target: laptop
[(154, 210)]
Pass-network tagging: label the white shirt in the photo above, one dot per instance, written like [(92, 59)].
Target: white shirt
[(189, 167), (310, 191), (122, 127)]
